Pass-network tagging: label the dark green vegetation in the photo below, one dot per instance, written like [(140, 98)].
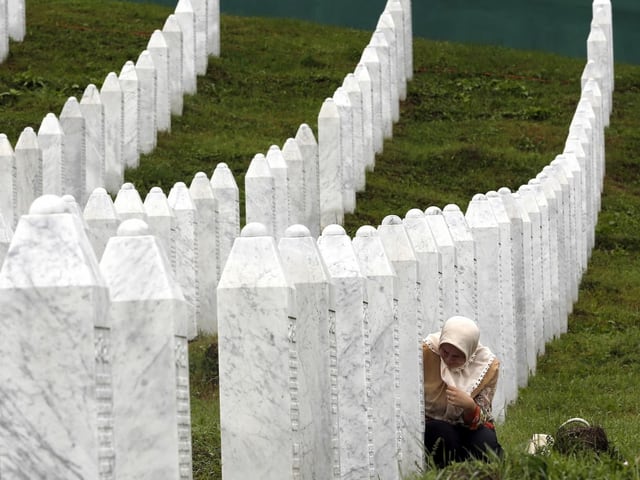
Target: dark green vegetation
[(475, 119)]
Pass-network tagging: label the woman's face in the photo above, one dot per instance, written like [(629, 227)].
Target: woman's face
[(452, 356)]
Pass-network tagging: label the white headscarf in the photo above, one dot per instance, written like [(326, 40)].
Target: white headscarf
[(464, 334)]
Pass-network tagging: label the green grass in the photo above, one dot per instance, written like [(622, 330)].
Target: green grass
[(475, 119)]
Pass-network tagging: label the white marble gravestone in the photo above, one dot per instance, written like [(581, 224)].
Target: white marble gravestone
[(486, 233), (549, 259), (352, 351), (128, 203), (161, 222), (573, 148), (159, 50), (371, 60), (342, 101), (465, 258), (207, 266), (93, 112), (130, 86), (447, 249), (57, 420), (185, 16), (556, 180), (556, 232), (51, 142), (200, 15), (568, 166), (111, 95), (187, 253), (8, 189), (17, 20), (278, 168), (364, 81), (147, 117), (305, 269), (225, 191), (296, 185), (308, 146), (149, 344), (408, 38), (598, 51), (387, 27), (591, 92), (602, 15), (430, 267), (400, 251), (213, 28), (519, 282), (73, 126), (257, 361), (538, 286), (379, 42), (260, 194), (505, 292), (384, 335), (510, 344), (28, 157), (531, 293), (173, 36), (330, 164), (101, 218), (352, 87), (394, 7)]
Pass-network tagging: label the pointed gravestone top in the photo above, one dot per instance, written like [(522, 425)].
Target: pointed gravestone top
[(155, 203), (100, 206), (71, 109), (275, 158), (157, 40), (184, 6), (149, 277), (329, 109), (179, 197), (305, 135), (111, 83), (49, 249), (200, 187), (222, 177), (5, 146), (128, 71), (50, 125), (145, 61), (370, 251), (259, 167), (291, 151), (28, 139), (128, 201), (91, 95), (171, 24)]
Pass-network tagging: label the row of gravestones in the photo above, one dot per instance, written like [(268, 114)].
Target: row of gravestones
[(95, 378), (315, 183), (301, 450), (93, 140), (87, 392), (12, 24), (320, 340)]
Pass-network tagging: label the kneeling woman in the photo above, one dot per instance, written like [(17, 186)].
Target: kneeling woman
[(460, 378)]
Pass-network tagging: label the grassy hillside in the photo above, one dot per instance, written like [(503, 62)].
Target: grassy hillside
[(475, 119)]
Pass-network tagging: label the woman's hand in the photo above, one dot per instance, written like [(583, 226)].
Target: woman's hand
[(460, 398)]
